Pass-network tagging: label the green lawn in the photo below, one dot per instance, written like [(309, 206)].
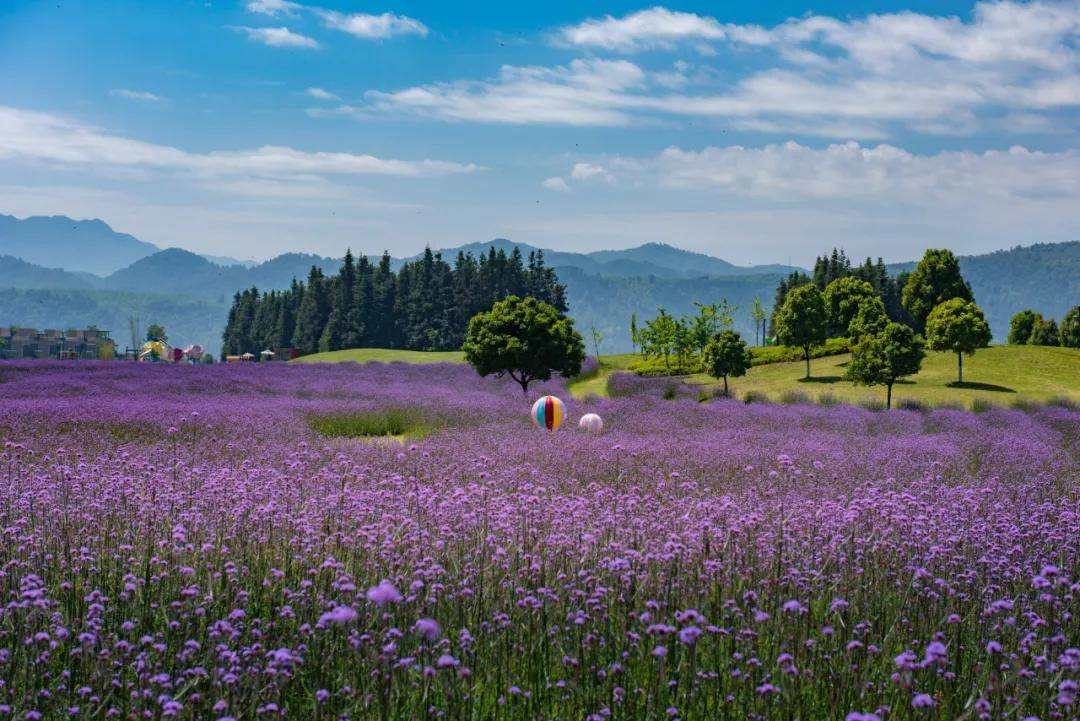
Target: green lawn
[(998, 375), (382, 355)]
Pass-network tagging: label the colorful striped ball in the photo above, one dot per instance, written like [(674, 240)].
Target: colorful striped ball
[(548, 412), (591, 422)]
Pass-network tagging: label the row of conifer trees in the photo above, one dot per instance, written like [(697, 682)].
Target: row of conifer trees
[(425, 304)]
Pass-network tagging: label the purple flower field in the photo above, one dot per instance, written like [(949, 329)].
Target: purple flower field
[(178, 542)]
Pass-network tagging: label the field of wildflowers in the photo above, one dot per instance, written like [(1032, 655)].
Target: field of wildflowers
[(182, 542)]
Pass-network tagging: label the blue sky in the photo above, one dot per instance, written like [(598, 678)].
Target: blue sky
[(758, 132)]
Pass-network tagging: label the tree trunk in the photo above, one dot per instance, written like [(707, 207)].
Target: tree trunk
[(806, 353), (960, 367), (888, 396), (725, 386)]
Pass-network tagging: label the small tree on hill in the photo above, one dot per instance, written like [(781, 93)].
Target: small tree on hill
[(597, 336), (709, 321), (524, 338), (870, 319), (659, 338), (959, 326), (1070, 328), (885, 357), (801, 321), (1045, 332), (843, 298), (726, 355), (758, 315), (1021, 325), (936, 280)]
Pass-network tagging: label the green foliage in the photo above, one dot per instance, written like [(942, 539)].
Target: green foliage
[(802, 321), (1070, 328), (959, 326), (662, 338), (1021, 326), (726, 355), (524, 338), (885, 357), (656, 366), (709, 321), (765, 355), (843, 299), (758, 316), (425, 306), (374, 424), (1045, 332), (157, 330), (870, 318), (935, 280)]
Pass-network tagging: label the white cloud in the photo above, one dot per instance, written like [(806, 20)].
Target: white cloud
[(135, 95), (815, 75), (361, 25), (864, 175), (320, 94), (52, 140), (655, 27), (585, 92), (386, 25), (273, 7), (281, 37), (557, 184), (589, 171)]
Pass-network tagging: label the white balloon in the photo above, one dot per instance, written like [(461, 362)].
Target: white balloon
[(591, 422)]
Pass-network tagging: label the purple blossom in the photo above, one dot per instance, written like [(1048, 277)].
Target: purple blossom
[(383, 593)]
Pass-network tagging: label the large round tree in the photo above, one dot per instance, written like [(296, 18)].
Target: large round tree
[(935, 280), (884, 358), (1021, 326), (959, 326), (843, 298), (802, 321), (524, 338)]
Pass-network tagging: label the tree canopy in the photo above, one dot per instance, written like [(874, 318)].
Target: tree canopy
[(157, 331), (871, 318), (935, 280), (885, 357), (524, 338), (726, 355), (803, 320), (1045, 332), (843, 298), (1070, 328), (424, 305), (959, 326), (1021, 326)]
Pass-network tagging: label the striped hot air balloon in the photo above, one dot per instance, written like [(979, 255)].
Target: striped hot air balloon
[(591, 422), (548, 412)]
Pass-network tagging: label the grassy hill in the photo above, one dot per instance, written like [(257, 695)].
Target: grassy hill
[(382, 355), (998, 375)]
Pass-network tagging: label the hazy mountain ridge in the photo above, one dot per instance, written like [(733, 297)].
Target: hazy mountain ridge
[(59, 241), (604, 287), (78, 246)]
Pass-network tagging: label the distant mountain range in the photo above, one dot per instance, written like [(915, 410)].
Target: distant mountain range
[(190, 293), (87, 246)]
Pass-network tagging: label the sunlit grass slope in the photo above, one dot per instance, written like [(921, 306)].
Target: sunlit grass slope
[(382, 355)]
